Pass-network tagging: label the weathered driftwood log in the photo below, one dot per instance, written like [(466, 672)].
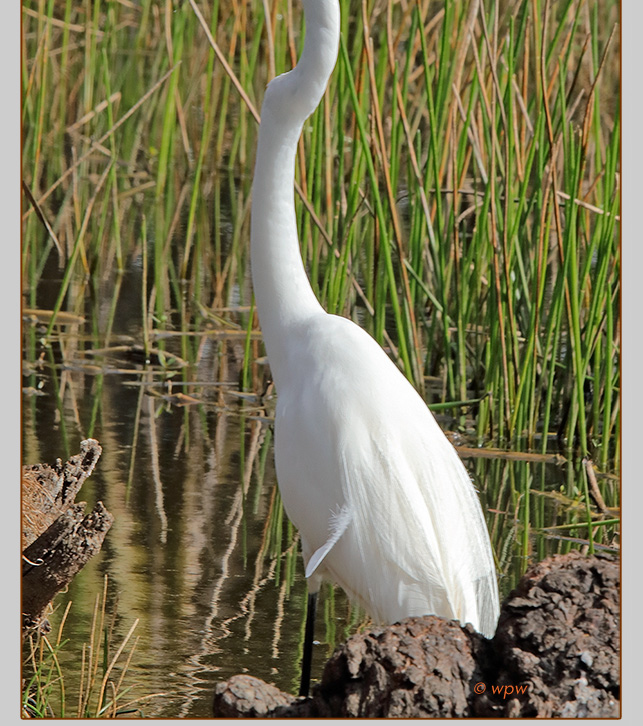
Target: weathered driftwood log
[(47, 491), (555, 654), (57, 538)]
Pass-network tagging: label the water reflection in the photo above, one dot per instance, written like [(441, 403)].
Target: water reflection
[(200, 550)]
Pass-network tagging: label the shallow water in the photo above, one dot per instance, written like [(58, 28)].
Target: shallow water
[(199, 551), (192, 489)]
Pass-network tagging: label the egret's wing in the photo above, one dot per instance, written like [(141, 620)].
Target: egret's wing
[(416, 541), (417, 523), (337, 526), (416, 514)]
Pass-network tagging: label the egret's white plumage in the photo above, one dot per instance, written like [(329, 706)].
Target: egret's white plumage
[(384, 505)]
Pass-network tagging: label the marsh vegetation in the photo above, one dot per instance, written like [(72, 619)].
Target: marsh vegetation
[(458, 196)]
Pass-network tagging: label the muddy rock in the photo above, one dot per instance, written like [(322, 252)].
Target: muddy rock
[(558, 638), (422, 666), (247, 697), (555, 654)]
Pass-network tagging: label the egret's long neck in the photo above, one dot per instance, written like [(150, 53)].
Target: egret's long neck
[(283, 293)]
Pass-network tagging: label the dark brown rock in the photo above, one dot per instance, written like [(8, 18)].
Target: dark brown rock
[(420, 667), (247, 697), (556, 653), (558, 638)]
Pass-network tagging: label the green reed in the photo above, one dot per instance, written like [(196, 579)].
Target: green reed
[(460, 196), (102, 689)]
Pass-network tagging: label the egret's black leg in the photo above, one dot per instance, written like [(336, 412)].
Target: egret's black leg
[(306, 661)]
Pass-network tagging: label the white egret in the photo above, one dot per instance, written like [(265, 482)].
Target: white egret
[(383, 504)]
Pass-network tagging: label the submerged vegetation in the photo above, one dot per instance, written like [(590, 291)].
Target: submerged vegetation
[(458, 197)]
